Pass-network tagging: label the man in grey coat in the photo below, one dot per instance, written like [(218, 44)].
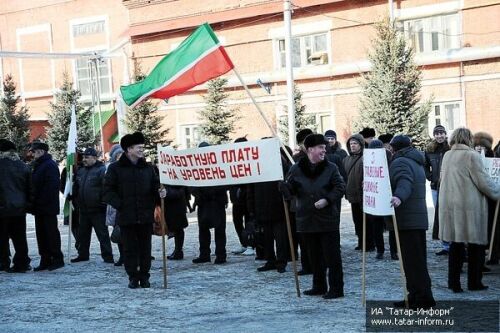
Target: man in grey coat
[(408, 185), (89, 190)]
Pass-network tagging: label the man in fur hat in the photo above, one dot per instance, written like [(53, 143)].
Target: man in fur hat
[(46, 183), (317, 185), (368, 135), (433, 158), (15, 199), (131, 186)]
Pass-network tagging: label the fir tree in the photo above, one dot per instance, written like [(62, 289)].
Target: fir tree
[(60, 118), (14, 121), (145, 118), (390, 91), (302, 119), (217, 120)]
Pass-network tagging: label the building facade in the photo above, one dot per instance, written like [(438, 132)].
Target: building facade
[(38, 38), (457, 44)]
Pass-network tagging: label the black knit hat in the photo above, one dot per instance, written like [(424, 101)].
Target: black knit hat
[(130, 140), (385, 138), (438, 128), (301, 135), (313, 140), (39, 145), (376, 144), (90, 152), (367, 132), (400, 141), (6, 145), (330, 134), (203, 144)]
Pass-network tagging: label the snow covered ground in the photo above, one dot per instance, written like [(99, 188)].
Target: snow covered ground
[(93, 296)]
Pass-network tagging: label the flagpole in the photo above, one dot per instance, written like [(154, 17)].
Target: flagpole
[(70, 223), (98, 85), (401, 267), (287, 18), (262, 114)]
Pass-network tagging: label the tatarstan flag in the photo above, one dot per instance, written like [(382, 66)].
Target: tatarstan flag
[(199, 58)]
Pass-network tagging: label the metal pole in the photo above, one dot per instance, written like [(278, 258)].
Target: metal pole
[(391, 10), (287, 16), (98, 85)]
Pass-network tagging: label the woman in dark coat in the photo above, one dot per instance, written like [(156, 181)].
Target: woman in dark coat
[(176, 204)]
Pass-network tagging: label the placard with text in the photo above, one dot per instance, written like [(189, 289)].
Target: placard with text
[(377, 190), (228, 164)]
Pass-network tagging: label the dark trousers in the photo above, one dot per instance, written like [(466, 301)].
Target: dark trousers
[(475, 265), (179, 240), (324, 254), (414, 255), (97, 221), (275, 231), (48, 239), (136, 239), (14, 228), (300, 242), (205, 237), (357, 218), (239, 216), (378, 225)]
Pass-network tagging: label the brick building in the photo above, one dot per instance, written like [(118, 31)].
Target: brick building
[(63, 27), (457, 44)]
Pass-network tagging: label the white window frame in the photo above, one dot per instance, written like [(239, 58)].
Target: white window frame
[(299, 30), (303, 58), (458, 115), (182, 128), (96, 48), (47, 28), (429, 24)]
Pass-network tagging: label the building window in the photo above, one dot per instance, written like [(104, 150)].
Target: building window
[(190, 135), (84, 75), (97, 27), (447, 114), (306, 50), (322, 122), (434, 33)]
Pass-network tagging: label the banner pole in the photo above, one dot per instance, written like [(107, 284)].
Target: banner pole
[(164, 230), (403, 275), (292, 248), (363, 274), (263, 115), (70, 217), (493, 230)]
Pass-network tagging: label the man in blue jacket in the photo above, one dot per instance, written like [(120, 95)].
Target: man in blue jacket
[(408, 185), (89, 190), (46, 207)]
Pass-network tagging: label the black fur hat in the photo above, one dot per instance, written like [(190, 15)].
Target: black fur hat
[(302, 134), (367, 132), (130, 140), (35, 145), (385, 138), (313, 140), (6, 145)]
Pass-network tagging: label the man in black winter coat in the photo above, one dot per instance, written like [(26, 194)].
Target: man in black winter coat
[(211, 203), (265, 206), (89, 188), (131, 187), (16, 195), (46, 207), (408, 187), (317, 186)]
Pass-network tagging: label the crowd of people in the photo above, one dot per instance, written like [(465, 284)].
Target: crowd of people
[(125, 193)]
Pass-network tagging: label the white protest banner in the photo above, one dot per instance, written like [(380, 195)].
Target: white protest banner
[(228, 164), (377, 190), (492, 166)]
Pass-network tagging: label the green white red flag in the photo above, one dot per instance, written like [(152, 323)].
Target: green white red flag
[(199, 58)]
